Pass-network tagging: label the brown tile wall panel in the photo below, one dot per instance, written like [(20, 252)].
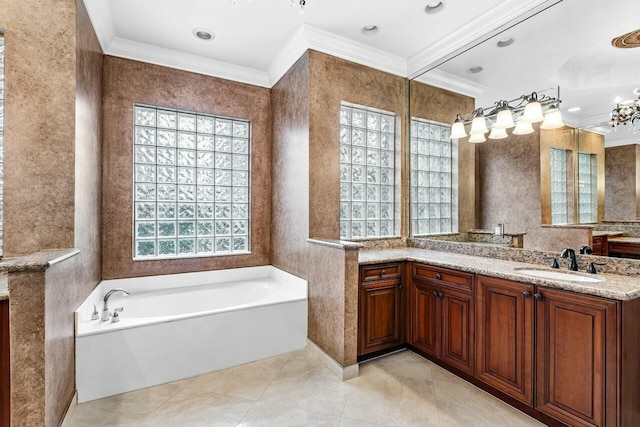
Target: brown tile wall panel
[(440, 105), (39, 129), (332, 80), (620, 183), (290, 170), (127, 82)]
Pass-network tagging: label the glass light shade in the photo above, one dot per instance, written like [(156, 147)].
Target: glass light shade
[(477, 138), (504, 120), (498, 133), (479, 126), (523, 128), (552, 120), (532, 112), (458, 131)]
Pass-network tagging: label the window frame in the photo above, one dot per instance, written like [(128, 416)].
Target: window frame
[(134, 200)]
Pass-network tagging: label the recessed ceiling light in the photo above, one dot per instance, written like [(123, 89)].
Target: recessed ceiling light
[(507, 41), (475, 69), (203, 34), (434, 7), (370, 29), (573, 109)]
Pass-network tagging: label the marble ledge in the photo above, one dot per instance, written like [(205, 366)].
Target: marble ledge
[(492, 233), (4, 287), (618, 287), (38, 261), (607, 233), (336, 244)]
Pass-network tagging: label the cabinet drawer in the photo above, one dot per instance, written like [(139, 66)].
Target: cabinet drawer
[(442, 276), (380, 272)]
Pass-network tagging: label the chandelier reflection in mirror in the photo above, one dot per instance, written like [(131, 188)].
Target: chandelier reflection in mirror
[(627, 112), (299, 3), (519, 113)]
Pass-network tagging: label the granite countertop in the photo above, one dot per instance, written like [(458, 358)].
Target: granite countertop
[(617, 287), (607, 233), (38, 261), (4, 287), (634, 240)]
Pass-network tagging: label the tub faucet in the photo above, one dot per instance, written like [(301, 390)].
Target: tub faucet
[(105, 309), (571, 254)]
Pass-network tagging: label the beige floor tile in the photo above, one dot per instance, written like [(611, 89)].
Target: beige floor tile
[(194, 408), (183, 383), (300, 361), (246, 381), (266, 415), (316, 390), (400, 365), (345, 422), (465, 405), (378, 396)]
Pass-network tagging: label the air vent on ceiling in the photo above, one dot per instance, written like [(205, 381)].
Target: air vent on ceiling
[(628, 40)]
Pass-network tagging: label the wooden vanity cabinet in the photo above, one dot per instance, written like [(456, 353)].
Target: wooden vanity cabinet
[(504, 336), (4, 364), (600, 245), (442, 315), (577, 358), (380, 308)]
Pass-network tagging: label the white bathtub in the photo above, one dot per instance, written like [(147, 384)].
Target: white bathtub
[(181, 325)]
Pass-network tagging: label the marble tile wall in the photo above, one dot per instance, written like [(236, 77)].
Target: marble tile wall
[(290, 170), (127, 82), (620, 182)]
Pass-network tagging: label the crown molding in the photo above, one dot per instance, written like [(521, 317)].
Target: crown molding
[(186, 61), (595, 120), (448, 81), (475, 32), (293, 49), (633, 141), (100, 17), (571, 120)]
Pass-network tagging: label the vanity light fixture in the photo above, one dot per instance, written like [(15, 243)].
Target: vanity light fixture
[(519, 113), (203, 34), (627, 112), (434, 7)]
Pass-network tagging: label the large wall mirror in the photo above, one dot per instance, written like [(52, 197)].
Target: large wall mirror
[(571, 180)]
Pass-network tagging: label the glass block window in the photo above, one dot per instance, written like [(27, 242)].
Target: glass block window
[(559, 186), (1, 141), (433, 178), (367, 173), (587, 188), (191, 179)]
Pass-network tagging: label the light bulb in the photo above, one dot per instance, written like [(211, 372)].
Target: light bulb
[(498, 133), (523, 128), (552, 120), (478, 125), (532, 112), (504, 120), (457, 129), (477, 138)]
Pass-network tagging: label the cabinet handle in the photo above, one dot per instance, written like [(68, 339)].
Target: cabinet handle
[(400, 287), (537, 297), (526, 294), (440, 294), (383, 272), (434, 293), (438, 276)]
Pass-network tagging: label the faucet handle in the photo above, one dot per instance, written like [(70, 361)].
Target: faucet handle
[(554, 263), (591, 268), (586, 250), (95, 315), (116, 316)]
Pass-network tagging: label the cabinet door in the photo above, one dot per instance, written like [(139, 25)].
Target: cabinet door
[(425, 318), (505, 336), (576, 358), (380, 316), (458, 332), (4, 364)]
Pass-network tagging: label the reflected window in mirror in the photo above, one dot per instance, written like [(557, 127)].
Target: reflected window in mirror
[(561, 194), (1, 139), (587, 188), (367, 173), (433, 178)]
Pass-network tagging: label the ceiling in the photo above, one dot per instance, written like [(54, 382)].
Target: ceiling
[(257, 41), (567, 45)]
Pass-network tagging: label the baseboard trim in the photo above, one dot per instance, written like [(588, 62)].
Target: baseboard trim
[(343, 372), (71, 409)]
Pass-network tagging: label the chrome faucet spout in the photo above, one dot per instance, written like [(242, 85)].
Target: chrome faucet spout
[(571, 254), (105, 308)]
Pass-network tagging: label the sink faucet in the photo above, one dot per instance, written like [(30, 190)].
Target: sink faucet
[(105, 309), (571, 254)]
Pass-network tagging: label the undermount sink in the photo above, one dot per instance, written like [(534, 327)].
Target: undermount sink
[(558, 275)]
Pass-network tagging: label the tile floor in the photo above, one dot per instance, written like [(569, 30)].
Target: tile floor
[(296, 389)]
